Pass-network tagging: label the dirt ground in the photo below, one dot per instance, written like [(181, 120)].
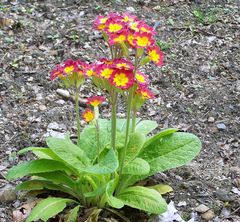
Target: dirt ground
[(197, 90)]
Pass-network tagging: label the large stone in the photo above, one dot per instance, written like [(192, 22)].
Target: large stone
[(7, 194), (208, 216), (201, 208)]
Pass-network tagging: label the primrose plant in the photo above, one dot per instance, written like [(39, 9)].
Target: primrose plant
[(103, 168)]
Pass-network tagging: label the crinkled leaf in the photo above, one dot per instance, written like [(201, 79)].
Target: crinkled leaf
[(73, 214), (68, 152), (171, 151), (88, 140), (146, 126), (35, 166), (48, 208), (160, 135), (108, 164), (113, 201), (137, 166), (168, 151), (136, 141), (144, 199)]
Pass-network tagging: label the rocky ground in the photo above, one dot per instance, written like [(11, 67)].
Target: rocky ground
[(197, 90)]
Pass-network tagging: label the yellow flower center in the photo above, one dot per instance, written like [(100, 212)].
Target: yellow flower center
[(89, 116), (130, 39), (140, 78), (89, 72), (121, 65), (114, 27), (145, 95), (95, 102), (69, 69), (142, 41), (134, 25), (106, 73), (144, 29), (154, 56), (103, 20), (126, 18), (101, 27), (120, 38), (121, 79)]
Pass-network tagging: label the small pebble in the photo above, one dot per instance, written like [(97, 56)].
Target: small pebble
[(42, 107), (209, 215), (211, 119), (64, 93), (201, 208), (60, 102), (221, 126), (53, 125), (30, 79), (182, 203), (130, 9)]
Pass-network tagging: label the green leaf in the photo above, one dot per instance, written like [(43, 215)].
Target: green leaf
[(48, 208), (68, 152), (113, 201), (73, 214), (37, 184), (146, 126), (162, 188), (58, 177), (165, 151), (97, 192), (136, 141), (171, 151), (160, 135), (32, 185), (35, 166), (143, 198), (107, 165), (137, 167), (41, 152), (88, 140)]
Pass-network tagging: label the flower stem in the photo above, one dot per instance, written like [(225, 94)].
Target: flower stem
[(114, 120), (134, 113), (77, 115), (129, 105), (98, 140)]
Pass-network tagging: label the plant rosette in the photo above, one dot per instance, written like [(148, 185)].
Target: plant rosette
[(103, 168)]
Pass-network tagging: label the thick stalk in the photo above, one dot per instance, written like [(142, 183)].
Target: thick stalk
[(129, 106), (98, 140), (134, 114), (77, 115)]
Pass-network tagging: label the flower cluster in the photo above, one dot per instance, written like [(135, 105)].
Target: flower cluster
[(119, 72), (68, 68), (122, 32), (128, 29)]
